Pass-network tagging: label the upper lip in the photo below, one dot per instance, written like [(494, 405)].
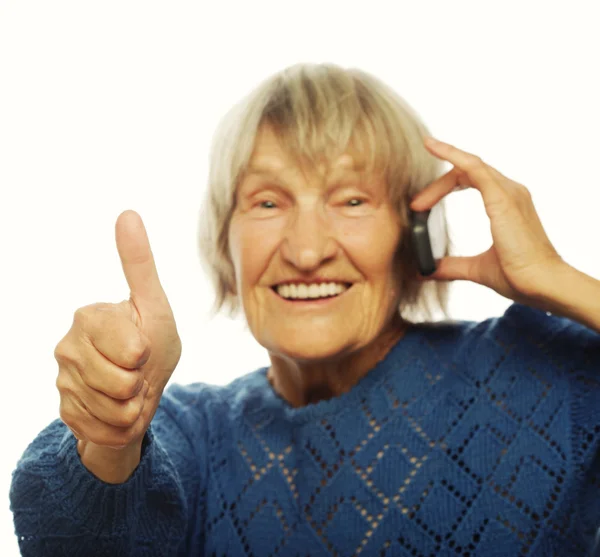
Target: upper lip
[(311, 281)]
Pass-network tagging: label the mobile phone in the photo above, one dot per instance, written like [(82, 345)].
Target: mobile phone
[(426, 232)]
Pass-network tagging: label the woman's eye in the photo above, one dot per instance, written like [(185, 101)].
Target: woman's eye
[(355, 202), (267, 205)]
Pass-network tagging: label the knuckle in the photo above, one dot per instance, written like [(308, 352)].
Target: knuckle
[(130, 414), (524, 192), (67, 415), (82, 316), (134, 408), (68, 355), (61, 383), (475, 162), (62, 353), (134, 352), (128, 388), (59, 354), (90, 318), (122, 391)]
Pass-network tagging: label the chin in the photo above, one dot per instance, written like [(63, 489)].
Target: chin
[(309, 347)]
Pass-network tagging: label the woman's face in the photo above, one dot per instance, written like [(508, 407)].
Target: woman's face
[(308, 230)]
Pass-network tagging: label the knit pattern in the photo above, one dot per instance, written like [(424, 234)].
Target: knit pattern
[(468, 439)]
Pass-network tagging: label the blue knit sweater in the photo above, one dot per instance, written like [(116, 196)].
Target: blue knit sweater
[(467, 439)]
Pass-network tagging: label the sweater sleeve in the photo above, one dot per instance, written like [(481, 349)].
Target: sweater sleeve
[(60, 508)]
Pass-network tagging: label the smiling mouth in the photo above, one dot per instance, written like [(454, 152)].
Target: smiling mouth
[(312, 292)]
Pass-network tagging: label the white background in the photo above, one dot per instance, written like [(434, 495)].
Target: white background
[(107, 106)]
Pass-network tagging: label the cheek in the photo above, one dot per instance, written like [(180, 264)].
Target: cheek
[(251, 245), (370, 243)]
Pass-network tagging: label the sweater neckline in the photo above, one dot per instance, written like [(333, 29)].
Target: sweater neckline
[(395, 361)]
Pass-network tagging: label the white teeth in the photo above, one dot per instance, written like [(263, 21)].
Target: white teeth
[(310, 291), (302, 291)]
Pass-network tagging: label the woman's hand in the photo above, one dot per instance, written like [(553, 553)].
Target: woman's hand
[(521, 258), (115, 361)]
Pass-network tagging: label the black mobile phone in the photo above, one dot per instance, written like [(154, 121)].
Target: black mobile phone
[(421, 241)]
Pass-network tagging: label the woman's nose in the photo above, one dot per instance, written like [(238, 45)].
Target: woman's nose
[(308, 242)]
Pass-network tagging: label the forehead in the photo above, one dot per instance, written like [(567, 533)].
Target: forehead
[(269, 156)]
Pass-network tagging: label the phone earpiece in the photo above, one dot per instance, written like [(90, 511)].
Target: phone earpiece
[(421, 242)]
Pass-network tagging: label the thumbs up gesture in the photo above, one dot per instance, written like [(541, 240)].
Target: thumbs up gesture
[(116, 359)]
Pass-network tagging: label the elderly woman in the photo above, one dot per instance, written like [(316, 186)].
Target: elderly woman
[(374, 430)]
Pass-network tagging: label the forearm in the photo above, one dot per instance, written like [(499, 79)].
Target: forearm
[(572, 294)]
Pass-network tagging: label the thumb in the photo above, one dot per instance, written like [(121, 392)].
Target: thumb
[(454, 268), (137, 259)]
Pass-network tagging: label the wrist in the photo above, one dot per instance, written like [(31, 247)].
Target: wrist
[(572, 294), (110, 465)]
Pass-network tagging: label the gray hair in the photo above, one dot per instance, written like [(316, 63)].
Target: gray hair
[(321, 110)]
